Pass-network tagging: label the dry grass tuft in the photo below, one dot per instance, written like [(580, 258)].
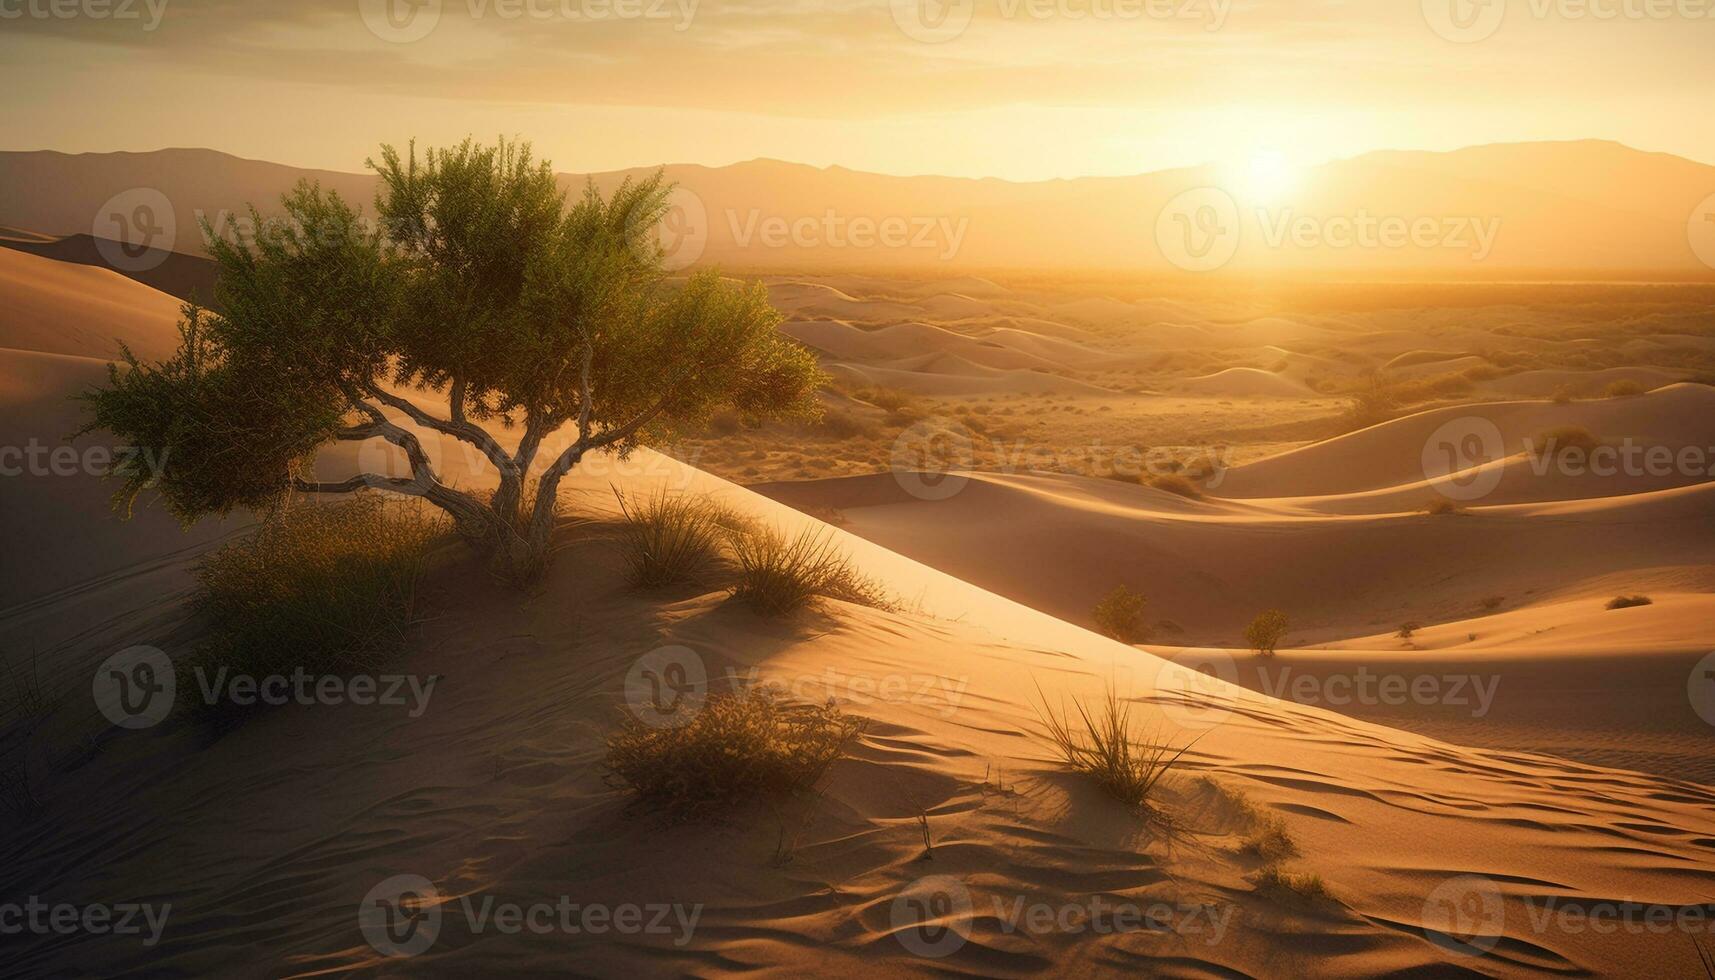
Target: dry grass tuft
[(329, 588), (1281, 885), (779, 575), (667, 539), (736, 748), (1628, 601), (1101, 744)]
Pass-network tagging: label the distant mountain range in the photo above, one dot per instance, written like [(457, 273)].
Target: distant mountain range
[(1585, 209)]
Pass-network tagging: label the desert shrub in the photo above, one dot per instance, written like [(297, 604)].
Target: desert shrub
[(1441, 506), (1269, 839), (1120, 615), (1100, 743), (1266, 631), (843, 424), (1564, 439), (1408, 630), (1375, 400), (1628, 601), (1491, 603), (1623, 389), (666, 538), (1174, 483), (725, 422), (332, 589), (1564, 394), (778, 574), (1275, 882), (735, 748)]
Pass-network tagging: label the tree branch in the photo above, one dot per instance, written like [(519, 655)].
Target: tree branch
[(465, 431)]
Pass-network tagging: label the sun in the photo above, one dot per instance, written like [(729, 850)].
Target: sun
[(1268, 176)]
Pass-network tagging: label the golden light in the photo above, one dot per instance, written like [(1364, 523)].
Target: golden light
[(1267, 177)]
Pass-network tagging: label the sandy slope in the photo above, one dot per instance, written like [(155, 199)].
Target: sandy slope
[(66, 308), (266, 839)]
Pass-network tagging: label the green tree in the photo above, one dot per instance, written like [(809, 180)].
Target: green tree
[(1266, 631), (548, 330)]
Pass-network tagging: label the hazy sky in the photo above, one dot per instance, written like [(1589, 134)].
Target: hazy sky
[(1022, 89)]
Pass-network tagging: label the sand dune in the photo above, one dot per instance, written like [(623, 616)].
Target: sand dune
[(1560, 793), (1244, 383), (482, 792), (65, 308)]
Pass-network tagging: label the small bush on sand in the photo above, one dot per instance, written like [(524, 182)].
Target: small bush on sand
[(1408, 630), (1174, 483), (1559, 441), (736, 748), (1266, 835), (1623, 389), (1490, 603), (1442, 507), (1100, 742), (1266, 631), (1281, 885), (1628, 601), (331, 589), (1120, 616), (666, 538), (778, 575)]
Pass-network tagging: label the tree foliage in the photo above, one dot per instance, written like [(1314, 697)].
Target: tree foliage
[(547, 328), (1266, 631)]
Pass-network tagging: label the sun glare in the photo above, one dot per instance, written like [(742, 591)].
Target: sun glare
[(1268, 176)]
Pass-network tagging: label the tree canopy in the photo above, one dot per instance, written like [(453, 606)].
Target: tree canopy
[(537, 321)]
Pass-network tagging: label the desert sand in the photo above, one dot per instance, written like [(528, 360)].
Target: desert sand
[(1586, 786)]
